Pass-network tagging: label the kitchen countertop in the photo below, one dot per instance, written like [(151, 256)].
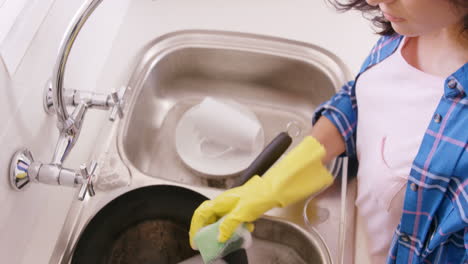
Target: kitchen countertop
[(347, 35)]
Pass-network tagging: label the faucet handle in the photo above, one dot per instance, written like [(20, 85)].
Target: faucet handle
[(88, 174), (117, 99)]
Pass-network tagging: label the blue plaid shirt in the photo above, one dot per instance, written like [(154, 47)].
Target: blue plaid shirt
[(434, 224)]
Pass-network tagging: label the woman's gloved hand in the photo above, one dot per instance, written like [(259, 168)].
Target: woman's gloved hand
[(299, 174)]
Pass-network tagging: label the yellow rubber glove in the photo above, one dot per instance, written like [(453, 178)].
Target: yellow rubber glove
[(299, 174)]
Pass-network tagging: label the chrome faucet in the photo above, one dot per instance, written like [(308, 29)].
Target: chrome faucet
[(23, 168)]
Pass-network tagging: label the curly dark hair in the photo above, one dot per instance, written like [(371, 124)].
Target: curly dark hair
[(373, 13)]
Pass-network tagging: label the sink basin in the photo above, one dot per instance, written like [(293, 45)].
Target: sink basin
[(276, 242), (150, 225), (281, 81)]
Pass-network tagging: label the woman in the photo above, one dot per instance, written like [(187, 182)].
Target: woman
[(410, 137)]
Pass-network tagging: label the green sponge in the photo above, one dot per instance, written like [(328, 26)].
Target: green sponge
[(206, 240)]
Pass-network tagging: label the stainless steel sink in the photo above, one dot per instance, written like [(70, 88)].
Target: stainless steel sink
[(281, 81)]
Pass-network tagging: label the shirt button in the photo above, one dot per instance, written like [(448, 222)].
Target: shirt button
[(452, 84), (414, 187), (437, 118), (404, 238)]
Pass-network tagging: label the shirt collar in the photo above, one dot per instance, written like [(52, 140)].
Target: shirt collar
[(457, 83)]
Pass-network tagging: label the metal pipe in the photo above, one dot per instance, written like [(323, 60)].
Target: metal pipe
[(66, 45)]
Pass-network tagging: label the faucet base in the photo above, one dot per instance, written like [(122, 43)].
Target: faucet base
[(19, 167)]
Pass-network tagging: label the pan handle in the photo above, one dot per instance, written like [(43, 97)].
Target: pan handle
[(259, 166), (266, 158)]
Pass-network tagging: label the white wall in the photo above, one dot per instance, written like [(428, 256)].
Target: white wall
[(30, 221)]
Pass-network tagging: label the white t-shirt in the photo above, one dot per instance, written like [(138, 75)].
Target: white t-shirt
[(395, 105)]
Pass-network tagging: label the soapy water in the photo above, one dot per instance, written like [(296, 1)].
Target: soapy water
[(261, 251), (197, 259)]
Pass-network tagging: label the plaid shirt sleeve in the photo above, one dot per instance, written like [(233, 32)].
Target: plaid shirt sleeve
[(341, 110)]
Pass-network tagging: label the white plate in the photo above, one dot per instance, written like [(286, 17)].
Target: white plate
[(215, 160)]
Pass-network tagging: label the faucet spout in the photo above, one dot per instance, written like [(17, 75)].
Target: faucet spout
[(69, 132), (65, 48)]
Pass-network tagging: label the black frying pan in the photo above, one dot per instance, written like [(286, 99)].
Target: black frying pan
[(150, 225)]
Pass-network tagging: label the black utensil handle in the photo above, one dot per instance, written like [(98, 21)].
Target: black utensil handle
[(266, 158), (259, 166)]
